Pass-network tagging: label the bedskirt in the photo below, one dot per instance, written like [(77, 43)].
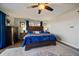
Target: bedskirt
[(39, 44)]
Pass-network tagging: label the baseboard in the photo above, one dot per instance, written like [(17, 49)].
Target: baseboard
[(69, 45)]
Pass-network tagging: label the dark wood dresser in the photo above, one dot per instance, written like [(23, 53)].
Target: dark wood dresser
[(11, 35)]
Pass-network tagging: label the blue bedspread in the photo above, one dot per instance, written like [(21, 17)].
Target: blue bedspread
[(33, 39)]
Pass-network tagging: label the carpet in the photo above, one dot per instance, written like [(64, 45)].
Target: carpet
[(58, 50), (32, 52)]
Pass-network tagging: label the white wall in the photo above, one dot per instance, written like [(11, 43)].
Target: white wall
[(67, 28)]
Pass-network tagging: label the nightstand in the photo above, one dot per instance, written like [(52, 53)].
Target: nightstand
[(22, 35)]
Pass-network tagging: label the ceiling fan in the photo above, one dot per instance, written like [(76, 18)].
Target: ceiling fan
[(42, 6)]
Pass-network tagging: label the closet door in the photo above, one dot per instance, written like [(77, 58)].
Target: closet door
[(2, 30)]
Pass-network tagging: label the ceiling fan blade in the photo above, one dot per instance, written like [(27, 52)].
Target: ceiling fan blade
[(39, 11), (39, 3), (33, 6), (49, 8)]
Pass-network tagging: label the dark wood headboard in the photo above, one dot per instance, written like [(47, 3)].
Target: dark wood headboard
[(34, 28)]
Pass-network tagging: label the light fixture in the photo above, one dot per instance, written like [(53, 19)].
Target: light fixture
[(41, 7), (45, 26)]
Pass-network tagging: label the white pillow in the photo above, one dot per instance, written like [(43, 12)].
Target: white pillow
[(37, 32)]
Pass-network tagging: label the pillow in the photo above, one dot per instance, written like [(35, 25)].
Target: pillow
[(30, 32), (41, 31), (36, 32), (44, 32)]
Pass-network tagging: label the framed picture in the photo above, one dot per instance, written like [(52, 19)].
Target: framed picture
[(22, 24)]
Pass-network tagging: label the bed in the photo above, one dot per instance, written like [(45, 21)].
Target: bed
[(32, 39), (42, 38)]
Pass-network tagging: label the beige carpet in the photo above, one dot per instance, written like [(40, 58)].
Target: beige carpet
[(58, 50)]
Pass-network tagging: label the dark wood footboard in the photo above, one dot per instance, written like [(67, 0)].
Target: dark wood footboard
[(39, 44)]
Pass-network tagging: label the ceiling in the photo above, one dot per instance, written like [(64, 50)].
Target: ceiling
[(20, 10)]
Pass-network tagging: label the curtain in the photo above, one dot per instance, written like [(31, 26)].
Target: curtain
[(2, 30)]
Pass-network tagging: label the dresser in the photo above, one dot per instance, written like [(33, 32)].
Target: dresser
[(11, 35)]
